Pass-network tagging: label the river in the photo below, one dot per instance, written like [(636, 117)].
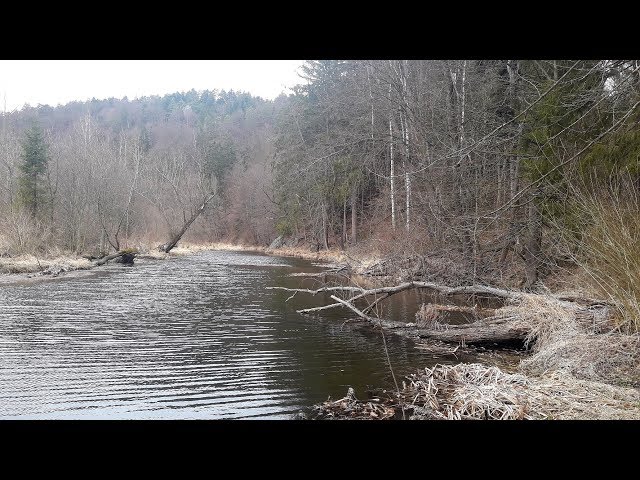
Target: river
[(195, 337)]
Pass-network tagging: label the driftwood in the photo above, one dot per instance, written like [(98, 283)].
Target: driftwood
[(480, 290), (125, 257), (497, 329), (492, 326)]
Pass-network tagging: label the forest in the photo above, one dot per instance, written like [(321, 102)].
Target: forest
[(501, 172)]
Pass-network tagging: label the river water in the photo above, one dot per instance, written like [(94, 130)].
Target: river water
[(195, 337)]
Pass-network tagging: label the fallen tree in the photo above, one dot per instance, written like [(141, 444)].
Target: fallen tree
[(123, 256), (580, 363), (175, 237), (510, 324)]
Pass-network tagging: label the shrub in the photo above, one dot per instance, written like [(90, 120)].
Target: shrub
[(606, 242)]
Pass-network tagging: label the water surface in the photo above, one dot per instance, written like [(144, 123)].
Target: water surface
[(195, 337)]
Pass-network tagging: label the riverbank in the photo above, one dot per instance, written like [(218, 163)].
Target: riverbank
[(29, 268), (63, 262), (572, 369), (328, 256), (480, 392), (577, 364)]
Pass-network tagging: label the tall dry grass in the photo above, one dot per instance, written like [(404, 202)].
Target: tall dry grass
[(605, 242)]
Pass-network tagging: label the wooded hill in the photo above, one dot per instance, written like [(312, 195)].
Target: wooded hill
[(505, 170)]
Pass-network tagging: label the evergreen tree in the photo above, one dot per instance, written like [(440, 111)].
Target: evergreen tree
[(33, 168)]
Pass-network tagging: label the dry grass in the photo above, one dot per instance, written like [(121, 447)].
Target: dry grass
[(32, 264), (333, 256), (471, 391), (606, 243), (428, 315), (612, 358), (475, 391), (564, 339), (546, 317), (150, 250)]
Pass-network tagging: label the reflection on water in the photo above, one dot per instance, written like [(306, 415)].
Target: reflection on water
[(193, 338)]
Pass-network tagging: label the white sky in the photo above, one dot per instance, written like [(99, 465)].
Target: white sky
[(53, 82)]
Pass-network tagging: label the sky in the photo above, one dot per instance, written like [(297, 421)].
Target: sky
[(53, 82)]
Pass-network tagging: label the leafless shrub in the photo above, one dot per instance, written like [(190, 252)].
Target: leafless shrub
[(22, 234), (606, 244)]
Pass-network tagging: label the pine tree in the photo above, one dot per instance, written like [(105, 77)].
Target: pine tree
[(33, 168)]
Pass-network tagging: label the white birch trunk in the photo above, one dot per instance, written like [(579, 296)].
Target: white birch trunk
[(393, 191), (462, 104), (405, 140), (371, 99)]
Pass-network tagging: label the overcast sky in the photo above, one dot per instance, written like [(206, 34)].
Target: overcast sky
[(53, 82)]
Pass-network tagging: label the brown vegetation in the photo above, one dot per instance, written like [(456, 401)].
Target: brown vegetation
[(577, 357), (477, 392), (32, 264)]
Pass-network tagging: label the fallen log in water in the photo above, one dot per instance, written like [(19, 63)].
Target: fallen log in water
[(124, 256), (511, 324), (475, 310), (498, 329)]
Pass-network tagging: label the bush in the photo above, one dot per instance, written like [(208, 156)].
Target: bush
[(22, 234), (606, 243)]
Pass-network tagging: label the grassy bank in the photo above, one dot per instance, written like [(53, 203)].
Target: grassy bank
[(57, 262), (34, 264)]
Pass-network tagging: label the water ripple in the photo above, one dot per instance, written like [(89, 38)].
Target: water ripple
[(196, 337)]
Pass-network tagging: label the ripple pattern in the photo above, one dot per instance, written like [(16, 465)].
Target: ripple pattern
[(195, 337)]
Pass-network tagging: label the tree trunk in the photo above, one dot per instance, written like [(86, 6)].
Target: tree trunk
[(404, 125), (167, 247), (325, 227), (354, 218), (460, 167), (513, 164), (392, 177), (492, 330), (344, 224), (126, 258), (532, 251), (371, 99), (120, 257), (407, 185)]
